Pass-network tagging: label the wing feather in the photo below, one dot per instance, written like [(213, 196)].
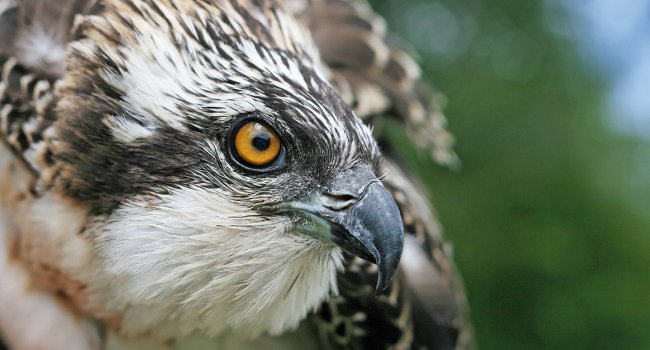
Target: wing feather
[(32, 52), (379, 80), (374, 75), (441, 313)]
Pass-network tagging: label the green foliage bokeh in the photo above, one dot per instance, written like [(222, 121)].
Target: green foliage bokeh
[(549, 214)]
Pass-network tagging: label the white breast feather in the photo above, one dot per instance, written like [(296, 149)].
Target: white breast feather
[(195, 261)]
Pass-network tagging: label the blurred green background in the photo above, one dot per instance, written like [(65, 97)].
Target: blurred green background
[(549, 215)]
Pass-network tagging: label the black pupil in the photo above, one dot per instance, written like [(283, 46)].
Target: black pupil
[(261, 141)]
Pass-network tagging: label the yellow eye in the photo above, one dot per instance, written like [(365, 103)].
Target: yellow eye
[(257, 144)]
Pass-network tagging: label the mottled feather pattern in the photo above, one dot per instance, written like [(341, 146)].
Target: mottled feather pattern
[(123, 127), (25, 116), (358, 319)]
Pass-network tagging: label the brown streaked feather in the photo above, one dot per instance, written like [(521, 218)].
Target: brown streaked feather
[(25, 115), (374, 75)]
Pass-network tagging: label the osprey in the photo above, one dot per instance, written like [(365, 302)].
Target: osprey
[(201, 173)]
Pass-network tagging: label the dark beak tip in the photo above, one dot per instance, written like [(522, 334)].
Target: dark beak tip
[(388, 261), (383, 284), (381, 287), (386, 272)]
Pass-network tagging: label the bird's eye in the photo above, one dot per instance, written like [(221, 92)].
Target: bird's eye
[(256, 144)]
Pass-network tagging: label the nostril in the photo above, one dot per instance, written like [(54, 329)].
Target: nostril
[(341, 197), (337, 201)]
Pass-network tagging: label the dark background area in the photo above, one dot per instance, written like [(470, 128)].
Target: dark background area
[(549, 213)]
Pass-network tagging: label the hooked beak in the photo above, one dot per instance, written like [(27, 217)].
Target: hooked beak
[(359, 215)]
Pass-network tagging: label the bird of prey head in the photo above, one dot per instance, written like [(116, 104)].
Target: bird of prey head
[(224, 175)]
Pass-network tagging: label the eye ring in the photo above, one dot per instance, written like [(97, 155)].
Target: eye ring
[(255, 146)]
